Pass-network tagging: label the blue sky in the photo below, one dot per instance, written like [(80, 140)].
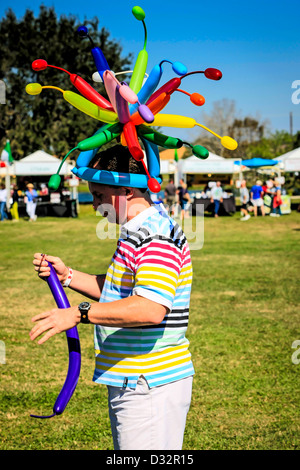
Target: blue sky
[(255, 45)]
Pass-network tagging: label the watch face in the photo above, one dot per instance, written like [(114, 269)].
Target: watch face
[(84, 305)]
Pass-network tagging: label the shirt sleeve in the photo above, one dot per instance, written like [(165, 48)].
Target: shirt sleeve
[(157, 270)]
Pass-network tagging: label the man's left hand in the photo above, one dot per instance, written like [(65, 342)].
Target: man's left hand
[(54, 321)]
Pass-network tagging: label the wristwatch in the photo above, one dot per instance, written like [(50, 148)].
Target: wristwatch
[(84, 310)]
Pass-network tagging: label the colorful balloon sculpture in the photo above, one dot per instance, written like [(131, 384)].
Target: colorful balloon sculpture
[(129, 114)]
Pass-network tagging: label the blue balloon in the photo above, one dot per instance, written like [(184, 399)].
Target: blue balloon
[(82, 31), (179, 68), (114, 178)]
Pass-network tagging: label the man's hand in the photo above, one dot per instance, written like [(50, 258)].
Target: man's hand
[(43, 268), (54, 321)]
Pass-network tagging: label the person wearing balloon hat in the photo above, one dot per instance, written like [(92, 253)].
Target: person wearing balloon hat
[(140, 310), (140, 306)]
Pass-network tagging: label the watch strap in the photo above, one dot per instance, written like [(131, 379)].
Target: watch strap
[(84, 316)]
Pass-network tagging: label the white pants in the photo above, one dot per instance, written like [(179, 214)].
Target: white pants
[(30, 209), (149, 419)]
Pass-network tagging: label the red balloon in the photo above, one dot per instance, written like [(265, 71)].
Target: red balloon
[(153, 185), (213, 74), (136, 152), (39, 64)]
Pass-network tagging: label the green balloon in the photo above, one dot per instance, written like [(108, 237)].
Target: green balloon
[(138, 13), (200, 152), (54, 182)]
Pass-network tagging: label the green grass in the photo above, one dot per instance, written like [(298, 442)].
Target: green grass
[(244, 318)]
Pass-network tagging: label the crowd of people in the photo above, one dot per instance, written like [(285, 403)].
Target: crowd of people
[(179, 196), (11, 199), (253, 200)]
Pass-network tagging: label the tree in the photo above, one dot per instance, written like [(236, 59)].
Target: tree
[(246, 132), (47, 121), (224, 120), (272, 146), (221, 117)]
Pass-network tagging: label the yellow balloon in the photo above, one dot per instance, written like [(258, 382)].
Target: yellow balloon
[(173, 120), (90, 108), (228, 142), (33, 88)]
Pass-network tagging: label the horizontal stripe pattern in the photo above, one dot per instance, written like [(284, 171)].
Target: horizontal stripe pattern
[(152, 260)]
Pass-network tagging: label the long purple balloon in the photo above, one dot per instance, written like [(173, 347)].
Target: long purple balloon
[(73, 345)]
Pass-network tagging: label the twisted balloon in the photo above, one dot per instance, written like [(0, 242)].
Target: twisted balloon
[(73, 345), (129, 114)]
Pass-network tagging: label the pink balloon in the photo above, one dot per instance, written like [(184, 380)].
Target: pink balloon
[(111, 83), (128, 95)]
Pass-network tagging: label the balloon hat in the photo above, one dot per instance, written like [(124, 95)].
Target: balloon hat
[(129, 114)]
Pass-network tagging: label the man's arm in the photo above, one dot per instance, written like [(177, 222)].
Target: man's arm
[(89, 285), (133, 311)]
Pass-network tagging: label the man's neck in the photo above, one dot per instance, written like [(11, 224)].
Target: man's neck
[(137, 205)]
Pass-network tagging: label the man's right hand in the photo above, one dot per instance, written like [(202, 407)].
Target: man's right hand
[(43, 269)]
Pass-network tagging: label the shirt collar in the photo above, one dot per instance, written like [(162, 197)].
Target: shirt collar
[(136, 222)]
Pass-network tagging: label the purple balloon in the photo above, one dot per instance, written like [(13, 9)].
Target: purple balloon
[(73, 345), (145, 113)]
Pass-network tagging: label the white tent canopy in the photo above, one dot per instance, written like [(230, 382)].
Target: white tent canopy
[(39, 163), (167, 167), (289, 161), (214, 164)]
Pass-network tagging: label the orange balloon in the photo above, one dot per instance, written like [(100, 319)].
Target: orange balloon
[(123, 140), (197, 99)]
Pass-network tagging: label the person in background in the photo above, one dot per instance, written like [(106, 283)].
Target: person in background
[(3, 197), (170, 195), (44, 190), (256, 194), (31, 202), (277, 201), (244, 195), (15, 204), (217, 197), (184, 198)]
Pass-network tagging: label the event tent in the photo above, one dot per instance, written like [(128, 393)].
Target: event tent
[(289, 161), (214, 164), (38, 163)]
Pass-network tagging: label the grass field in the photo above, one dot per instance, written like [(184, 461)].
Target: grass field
[(244, 318)]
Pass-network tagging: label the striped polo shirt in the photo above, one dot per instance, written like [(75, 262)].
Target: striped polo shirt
[(152, 260)]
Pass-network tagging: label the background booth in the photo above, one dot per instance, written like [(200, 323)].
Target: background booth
[(37, 168), (289, 162), (214, 168)]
